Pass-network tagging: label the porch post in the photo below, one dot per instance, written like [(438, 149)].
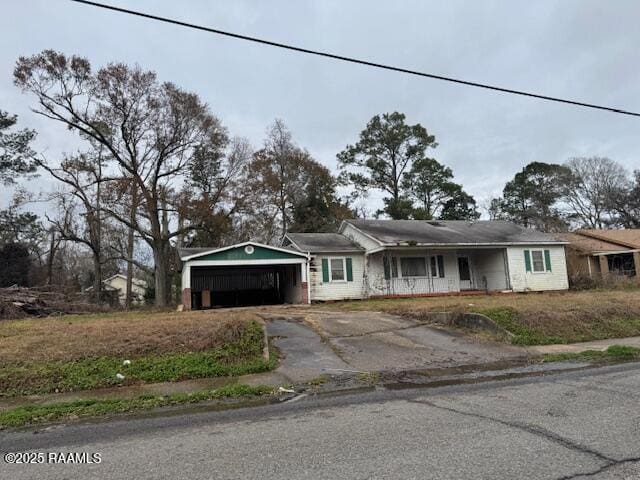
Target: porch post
[(604, 266), (636, 263), (304, 283), (186, 286)]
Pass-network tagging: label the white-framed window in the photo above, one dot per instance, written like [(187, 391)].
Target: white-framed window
[(413, 266), (338, 269), (537, 261)]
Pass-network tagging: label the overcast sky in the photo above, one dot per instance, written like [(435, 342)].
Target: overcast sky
[(583, 50)]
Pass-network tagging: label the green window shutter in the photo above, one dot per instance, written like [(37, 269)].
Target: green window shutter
[(349, 270), (547, 260), (325, 270), (527, 260), (441, 265)]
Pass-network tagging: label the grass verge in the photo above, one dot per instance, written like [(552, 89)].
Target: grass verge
[(615, 353), (239, 357), (33, 414)]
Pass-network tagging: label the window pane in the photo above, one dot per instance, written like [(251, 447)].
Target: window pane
[(434, 267), (394, 267), (413, 267), (538, 261), (337, 269)]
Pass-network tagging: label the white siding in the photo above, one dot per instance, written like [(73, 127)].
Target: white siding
[(359, 238), (337, 290), (120, 284), (522, 281)]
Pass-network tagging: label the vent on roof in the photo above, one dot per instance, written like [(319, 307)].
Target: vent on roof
[(435, 224)]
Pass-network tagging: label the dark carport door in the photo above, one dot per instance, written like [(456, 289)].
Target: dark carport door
[(238, 286)]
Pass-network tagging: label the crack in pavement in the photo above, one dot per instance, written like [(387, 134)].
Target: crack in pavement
[(538, 431), (385, 330), (546, 434), (601, 469)]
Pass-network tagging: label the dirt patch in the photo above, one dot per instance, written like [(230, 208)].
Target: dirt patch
[(125, 335)]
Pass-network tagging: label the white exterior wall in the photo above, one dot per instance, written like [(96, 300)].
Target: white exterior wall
[(522, 281), (489, 266), (337, 290), (120, 284)]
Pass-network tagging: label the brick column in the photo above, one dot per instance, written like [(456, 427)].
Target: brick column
[(304, 297), (186, 299), (604, 266), (636, 262)]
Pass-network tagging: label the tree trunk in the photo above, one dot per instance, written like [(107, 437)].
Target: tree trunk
[(51, 258), (161, 260), (130, 246), (97, 280)]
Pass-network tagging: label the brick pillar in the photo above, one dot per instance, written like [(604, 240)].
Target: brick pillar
[(186, 299), (604, 266), (206, 298), (304, 297), (636, 262)]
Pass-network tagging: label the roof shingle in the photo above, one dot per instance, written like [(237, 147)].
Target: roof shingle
[(323, 242), (443, 232)]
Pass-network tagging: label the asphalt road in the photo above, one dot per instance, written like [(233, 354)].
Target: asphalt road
[(570, 425)]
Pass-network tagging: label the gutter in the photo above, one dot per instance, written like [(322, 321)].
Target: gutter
[(397, 246)]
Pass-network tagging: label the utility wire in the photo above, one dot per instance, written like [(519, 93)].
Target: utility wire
[(354, 60)]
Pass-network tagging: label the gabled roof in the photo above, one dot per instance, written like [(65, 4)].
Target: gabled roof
[(322, 242), (449, 232), (590, 245), (192, 253), (629, 238)]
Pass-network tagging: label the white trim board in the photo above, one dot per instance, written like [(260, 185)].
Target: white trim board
[(240, 245), (227, 263)]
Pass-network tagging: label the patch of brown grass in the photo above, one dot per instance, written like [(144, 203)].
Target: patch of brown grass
[(124, 334)]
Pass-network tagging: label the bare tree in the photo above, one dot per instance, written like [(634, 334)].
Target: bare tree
[(150, 130), (587, 191), (84, 178), (624, 200), (278, 179)]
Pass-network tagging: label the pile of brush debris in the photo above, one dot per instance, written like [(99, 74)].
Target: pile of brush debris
[(20, 302)]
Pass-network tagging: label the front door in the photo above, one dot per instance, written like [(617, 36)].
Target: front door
[(464, 270)]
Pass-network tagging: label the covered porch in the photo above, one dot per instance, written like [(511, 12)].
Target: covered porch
[(419, 271)]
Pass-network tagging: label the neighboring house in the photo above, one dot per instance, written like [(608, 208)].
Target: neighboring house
[(374, 258), (118, 285), (598, 254)]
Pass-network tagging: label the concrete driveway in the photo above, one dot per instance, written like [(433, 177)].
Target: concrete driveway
[(316, 342)]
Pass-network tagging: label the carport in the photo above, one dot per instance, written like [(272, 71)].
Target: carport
[(244, 274)]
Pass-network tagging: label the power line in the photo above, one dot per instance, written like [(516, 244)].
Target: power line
[(354, 60)]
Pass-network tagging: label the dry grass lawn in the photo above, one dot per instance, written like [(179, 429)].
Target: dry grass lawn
[(557, 317), (123, 335)]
